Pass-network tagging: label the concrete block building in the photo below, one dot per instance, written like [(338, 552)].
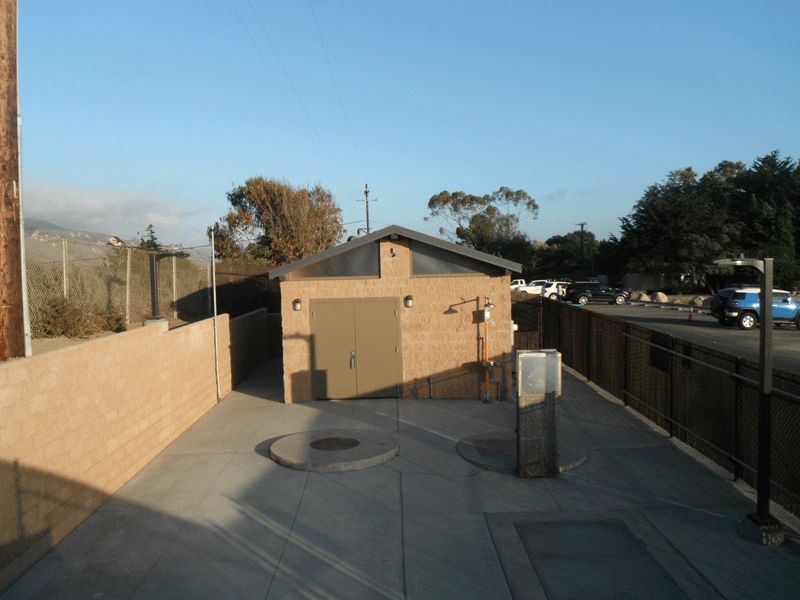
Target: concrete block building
[(396, 313)]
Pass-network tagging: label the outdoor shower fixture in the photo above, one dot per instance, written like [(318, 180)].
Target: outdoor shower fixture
[(488, 364)]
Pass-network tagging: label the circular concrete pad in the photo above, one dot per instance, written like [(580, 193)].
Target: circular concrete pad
[(497, 451), (334, 450)]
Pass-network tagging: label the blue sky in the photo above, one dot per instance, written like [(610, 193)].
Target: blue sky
[(143, 111)]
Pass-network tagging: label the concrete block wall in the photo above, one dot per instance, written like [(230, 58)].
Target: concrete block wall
[(81, 421), (255, 337), (441, 337)]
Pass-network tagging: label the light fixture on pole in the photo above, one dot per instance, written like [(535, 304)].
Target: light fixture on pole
[(156, 318), (761, 526)]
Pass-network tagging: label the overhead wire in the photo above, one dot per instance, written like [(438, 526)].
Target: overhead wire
[(283, 93), (297, 96), (338, 94)]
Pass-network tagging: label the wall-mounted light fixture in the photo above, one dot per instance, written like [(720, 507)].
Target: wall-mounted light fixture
[(297, 304), (393, 252), (408, 301)]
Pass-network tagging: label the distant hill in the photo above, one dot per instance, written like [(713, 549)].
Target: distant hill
[(45, 230), (39, 224), (45, 235)]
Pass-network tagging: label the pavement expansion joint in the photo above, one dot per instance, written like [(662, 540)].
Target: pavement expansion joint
[(333, 450)]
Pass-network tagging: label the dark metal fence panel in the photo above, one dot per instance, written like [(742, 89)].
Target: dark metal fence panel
[(573, 338), (648, 379), (552, 325), (785, 451), (527, 315), (747, 420), (607, 358), (705, 401), (705, 398)]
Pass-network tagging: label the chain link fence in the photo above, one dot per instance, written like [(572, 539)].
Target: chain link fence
[(110, 286)]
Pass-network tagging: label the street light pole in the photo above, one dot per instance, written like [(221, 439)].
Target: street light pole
[(761, 526), (765, 384), (156, 317)]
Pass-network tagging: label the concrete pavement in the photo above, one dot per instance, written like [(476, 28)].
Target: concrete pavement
[(214, 517)]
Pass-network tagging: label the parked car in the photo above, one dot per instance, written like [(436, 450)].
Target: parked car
[(555, 289), (742, 306), (515, 283), (582, 292), (532, 287)]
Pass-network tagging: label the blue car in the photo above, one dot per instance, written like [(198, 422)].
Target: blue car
[(742, 306)]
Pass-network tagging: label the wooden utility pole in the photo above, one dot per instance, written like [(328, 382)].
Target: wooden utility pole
[(366, 199), (12, 329)]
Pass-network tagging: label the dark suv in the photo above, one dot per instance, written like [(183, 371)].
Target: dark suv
[(582, 292), (742, 306)]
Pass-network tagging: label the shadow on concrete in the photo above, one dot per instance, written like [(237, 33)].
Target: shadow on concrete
[(213, 517)]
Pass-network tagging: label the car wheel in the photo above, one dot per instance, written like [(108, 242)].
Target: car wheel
[(619, 299), (552, 296), (747, 320), (583, 299), (797, 322)]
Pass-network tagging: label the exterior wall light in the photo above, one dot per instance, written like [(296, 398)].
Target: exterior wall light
[(408, 301), (297, 304)]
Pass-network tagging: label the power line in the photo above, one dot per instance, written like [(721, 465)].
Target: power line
[(285, 97), (336, 86), (291, 84)]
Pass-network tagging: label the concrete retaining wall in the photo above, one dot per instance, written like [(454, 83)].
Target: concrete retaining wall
[(79, 422)]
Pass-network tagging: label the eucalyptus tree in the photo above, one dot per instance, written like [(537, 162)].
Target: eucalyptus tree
[(488, 223), (272, 222)]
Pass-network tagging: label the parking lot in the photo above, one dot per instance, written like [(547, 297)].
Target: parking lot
[(706, 330)]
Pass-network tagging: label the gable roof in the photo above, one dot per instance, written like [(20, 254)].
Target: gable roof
[(395, 231)]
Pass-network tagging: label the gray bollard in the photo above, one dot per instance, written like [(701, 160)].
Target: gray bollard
[(538, 386)]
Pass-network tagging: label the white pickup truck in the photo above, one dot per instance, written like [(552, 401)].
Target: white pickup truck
[(532, 287)]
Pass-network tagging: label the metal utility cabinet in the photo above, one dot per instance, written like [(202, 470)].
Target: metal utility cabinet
[(538, 387)]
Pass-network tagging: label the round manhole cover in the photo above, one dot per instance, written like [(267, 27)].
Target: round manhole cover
[(334, 443)]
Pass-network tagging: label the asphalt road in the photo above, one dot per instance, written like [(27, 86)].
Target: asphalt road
[(707, 331)]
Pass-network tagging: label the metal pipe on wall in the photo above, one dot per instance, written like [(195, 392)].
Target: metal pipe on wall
[(214, 293)]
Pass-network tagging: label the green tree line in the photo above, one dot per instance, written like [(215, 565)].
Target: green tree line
[(682, 225), (676, 229)]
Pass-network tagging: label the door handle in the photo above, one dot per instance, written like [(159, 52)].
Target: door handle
[(353, 359)]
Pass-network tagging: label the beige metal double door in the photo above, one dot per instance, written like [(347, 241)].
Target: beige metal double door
[(356, 350)]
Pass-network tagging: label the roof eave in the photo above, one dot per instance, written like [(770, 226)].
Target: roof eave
[(395, 231)]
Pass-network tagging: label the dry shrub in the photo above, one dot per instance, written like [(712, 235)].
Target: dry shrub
[(68, 318)]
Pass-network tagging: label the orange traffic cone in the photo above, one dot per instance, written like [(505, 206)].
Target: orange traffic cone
[(691, 313)]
